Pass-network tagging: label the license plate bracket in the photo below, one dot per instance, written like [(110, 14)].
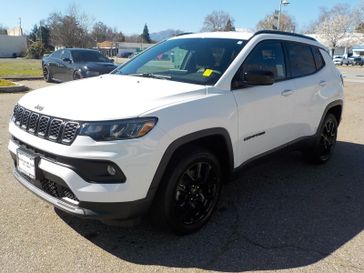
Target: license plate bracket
[(27, 163)]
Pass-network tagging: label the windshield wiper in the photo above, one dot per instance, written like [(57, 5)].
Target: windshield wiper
[(152, 75)]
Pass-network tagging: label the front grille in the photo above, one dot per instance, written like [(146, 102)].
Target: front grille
[(51, 128)]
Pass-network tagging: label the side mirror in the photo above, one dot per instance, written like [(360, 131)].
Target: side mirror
[(67, 60), (258, 77), (112, 60)]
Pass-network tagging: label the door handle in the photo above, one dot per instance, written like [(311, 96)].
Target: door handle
[(322, 83), (287, 92)]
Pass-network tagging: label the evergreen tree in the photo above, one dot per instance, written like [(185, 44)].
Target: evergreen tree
[(145, 35), (33, 35), (3, 30), (229, 26)]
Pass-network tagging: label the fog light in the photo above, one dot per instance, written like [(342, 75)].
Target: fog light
[(111, 170)]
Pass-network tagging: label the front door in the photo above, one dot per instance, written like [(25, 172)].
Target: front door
[(265, 111)]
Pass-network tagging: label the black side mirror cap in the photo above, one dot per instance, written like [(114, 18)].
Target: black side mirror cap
[(252, 78), (67, 60)]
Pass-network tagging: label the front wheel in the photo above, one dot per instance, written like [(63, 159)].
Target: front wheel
[(190, 191), (325, 142), (47, 74), (77, 75)]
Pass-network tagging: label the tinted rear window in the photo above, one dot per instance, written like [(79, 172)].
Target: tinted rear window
[(318, 58), (301, 59)]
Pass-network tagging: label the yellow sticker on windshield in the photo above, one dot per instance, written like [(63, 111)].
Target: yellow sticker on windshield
[(207, 73)]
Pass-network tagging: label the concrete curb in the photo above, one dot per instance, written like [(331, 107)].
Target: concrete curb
[(22, 78), (13, 89)]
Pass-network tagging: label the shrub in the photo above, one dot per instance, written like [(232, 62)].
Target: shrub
[(35, 50)]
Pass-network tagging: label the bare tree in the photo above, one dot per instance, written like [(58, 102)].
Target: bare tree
[(70, 30), (359, 17), (217, 21), (270, 22), (335, 23), (101, 32)]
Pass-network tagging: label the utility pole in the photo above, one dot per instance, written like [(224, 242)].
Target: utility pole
[(40, 32), (285, 3), (20, 29)]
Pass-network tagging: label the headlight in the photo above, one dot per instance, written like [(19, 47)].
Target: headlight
[(118, 129), (92, 73)]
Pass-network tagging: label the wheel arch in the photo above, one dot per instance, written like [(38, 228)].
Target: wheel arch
[(334, 108), (207, 138)]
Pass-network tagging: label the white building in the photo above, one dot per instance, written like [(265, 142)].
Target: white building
[(12, 46)]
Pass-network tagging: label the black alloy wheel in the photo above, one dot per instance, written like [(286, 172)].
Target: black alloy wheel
[(189, 191), (46, 74), (328, 138), (324, 145), (196, 193), (77, 75)]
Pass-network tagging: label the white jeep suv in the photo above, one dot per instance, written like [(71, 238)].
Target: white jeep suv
[(162, 132)]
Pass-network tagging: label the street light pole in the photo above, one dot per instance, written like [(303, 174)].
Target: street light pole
[(285, 3)]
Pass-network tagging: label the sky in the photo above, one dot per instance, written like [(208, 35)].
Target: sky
[(186, 15)]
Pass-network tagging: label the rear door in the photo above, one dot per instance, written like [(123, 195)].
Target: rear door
[(308, 77)]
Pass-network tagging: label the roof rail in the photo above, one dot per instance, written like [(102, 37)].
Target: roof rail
[(184, 33), (284, 33)]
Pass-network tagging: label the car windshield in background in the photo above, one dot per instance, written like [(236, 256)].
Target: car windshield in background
[(191, 60), (82, 56)]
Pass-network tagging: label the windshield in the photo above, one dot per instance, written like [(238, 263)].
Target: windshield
[(191, 60), (81, 56)]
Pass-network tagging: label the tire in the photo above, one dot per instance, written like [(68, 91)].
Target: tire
[(47, 74), (324, 144), (77, 75), (189, 192)]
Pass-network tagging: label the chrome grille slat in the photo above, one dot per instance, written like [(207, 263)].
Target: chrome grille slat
[(33, 122), (43, 126), (19, 115), (25, 119), (55, 129), (69, 132), (51, 128)]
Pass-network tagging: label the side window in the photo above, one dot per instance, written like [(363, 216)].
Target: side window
[(301, 60), (65, 54), (56, 54), (319, 60), (266, 56)]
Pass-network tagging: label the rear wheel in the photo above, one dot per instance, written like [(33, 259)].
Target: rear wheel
[(324, 145), (76, 75), (189, 192)]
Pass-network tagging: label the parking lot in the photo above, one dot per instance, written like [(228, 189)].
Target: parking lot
[(281, 214)]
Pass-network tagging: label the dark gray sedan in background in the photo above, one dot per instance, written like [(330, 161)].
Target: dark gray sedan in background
[(75, 63)]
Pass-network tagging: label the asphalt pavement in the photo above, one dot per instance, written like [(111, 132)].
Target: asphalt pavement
[(280, 215)]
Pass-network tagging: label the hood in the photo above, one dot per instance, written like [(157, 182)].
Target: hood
[(109, 97)]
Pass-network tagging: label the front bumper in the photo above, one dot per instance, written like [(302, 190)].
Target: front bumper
[(91, 210)]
